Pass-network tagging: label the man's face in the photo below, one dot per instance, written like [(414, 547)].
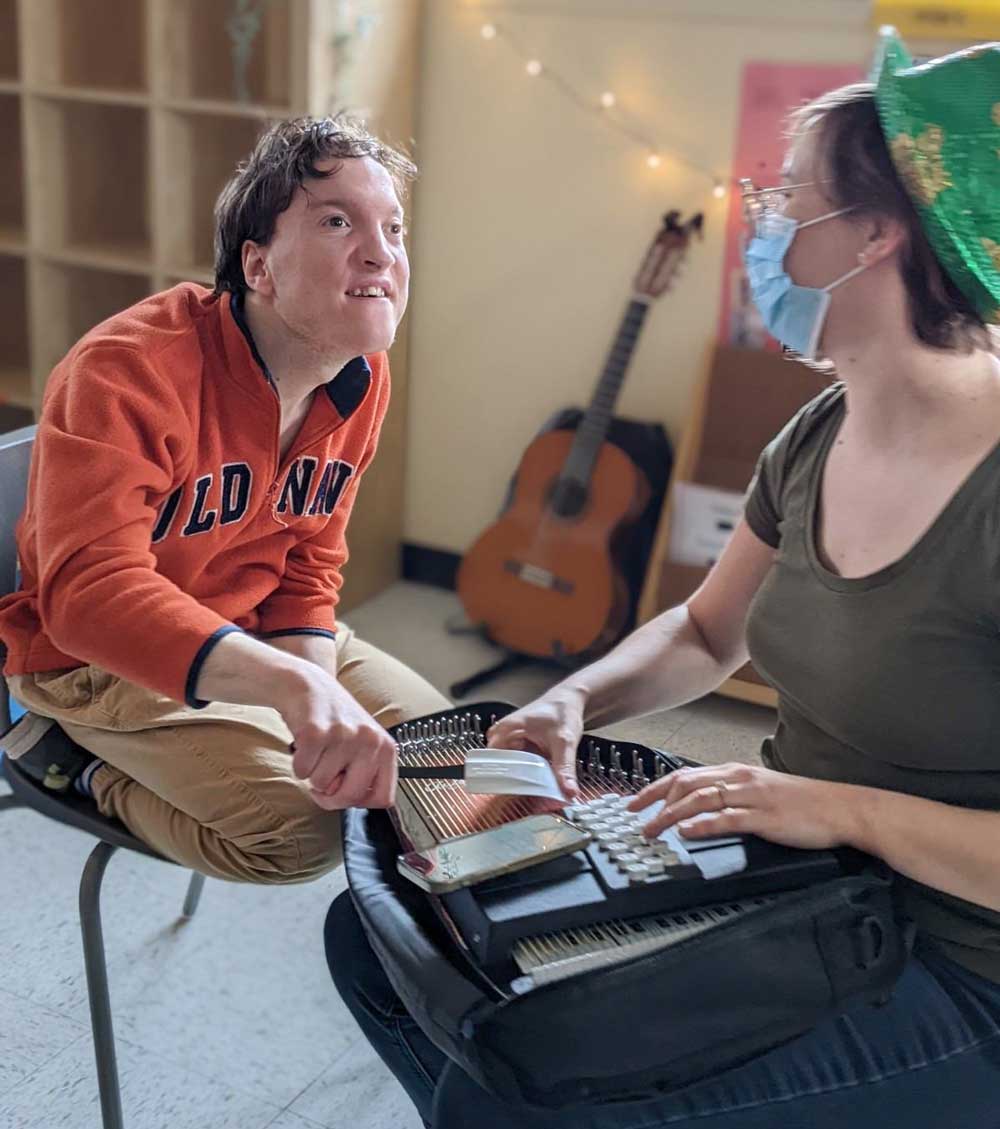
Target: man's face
[(339, 241)]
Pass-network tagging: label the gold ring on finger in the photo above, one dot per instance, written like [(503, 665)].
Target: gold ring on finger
[(723, 789)]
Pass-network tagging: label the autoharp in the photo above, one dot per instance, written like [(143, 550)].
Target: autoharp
[(618, 897), (625, 968)]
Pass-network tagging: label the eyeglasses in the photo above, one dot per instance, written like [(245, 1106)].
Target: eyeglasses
[(760, 202)]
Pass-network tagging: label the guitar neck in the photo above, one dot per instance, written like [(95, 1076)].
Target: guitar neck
[(594, 426)]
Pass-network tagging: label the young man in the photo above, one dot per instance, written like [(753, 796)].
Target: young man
[(195, 466)]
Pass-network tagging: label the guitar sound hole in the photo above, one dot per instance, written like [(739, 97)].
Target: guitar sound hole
[(567, 497)]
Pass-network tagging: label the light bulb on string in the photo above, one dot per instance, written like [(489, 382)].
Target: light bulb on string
[(607, 100)]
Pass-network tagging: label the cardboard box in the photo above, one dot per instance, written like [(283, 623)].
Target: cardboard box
[(742, 402)]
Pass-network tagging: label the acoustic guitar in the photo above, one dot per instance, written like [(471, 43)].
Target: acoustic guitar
[(545, 579)]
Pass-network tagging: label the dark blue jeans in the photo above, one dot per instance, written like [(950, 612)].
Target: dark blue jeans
[(929, 1059)]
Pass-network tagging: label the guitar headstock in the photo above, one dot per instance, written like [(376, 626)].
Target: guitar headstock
[(666, 254)]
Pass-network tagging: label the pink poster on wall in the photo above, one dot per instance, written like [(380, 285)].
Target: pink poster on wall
[(769, 92)]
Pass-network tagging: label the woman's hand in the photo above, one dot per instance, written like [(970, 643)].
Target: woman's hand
[(743, 799), (552, 726)]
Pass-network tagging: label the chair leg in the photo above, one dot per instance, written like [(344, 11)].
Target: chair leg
[(97, 985), (193, 893)]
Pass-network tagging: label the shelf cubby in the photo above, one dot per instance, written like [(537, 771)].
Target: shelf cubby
[(77, 298), (15, 365), (10, 67), (94, 195), (202, 60), (205, 150), (12, 230), (90, 44)]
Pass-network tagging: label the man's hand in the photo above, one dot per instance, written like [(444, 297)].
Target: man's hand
[(347, 757), (552, 726)]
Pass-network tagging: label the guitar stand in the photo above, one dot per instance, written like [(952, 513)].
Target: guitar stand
[(511, 661)]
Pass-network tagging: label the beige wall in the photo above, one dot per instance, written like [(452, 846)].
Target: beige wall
[(377, 79), (530, 217)]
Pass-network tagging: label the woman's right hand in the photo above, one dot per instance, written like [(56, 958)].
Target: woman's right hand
[(552, 725)]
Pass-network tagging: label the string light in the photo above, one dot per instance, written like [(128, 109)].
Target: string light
[(602, 106)]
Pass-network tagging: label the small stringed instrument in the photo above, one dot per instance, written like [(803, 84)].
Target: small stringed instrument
[(544, 579)]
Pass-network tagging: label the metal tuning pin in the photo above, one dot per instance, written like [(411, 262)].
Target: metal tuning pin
[(661, 769), (616, 772), (593, 759)]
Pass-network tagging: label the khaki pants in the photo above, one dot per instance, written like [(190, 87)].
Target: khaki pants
[(213, 789)]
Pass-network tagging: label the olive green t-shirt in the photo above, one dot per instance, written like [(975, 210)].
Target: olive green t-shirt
[(891, 680)]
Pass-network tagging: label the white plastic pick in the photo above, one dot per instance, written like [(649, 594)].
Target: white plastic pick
[(510, 772)]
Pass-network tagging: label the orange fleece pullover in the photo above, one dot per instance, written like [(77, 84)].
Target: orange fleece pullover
[(159, 515)]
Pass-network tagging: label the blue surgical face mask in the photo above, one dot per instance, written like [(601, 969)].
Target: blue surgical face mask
[(793, 314)]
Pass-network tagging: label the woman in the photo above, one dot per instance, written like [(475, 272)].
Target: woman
[(864, 582)]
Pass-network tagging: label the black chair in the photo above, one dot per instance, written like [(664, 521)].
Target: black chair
[(70, 808)]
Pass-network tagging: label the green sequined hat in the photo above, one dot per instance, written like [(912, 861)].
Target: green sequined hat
[(941, 121)]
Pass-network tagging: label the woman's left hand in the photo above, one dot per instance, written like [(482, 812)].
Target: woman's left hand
[(744, 799)]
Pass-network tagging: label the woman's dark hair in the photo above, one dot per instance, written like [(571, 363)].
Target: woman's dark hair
[(852, 152), (264, 184)]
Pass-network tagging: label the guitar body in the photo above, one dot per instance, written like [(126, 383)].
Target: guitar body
[(547, 579), (547, 583)]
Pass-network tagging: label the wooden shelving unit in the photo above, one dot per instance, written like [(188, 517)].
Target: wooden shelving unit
[(205, 147), (86, 45), (12, 225), (10, 60), (89, 213), (197, 37), (120, 120), (15, 378), (77, 298)]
